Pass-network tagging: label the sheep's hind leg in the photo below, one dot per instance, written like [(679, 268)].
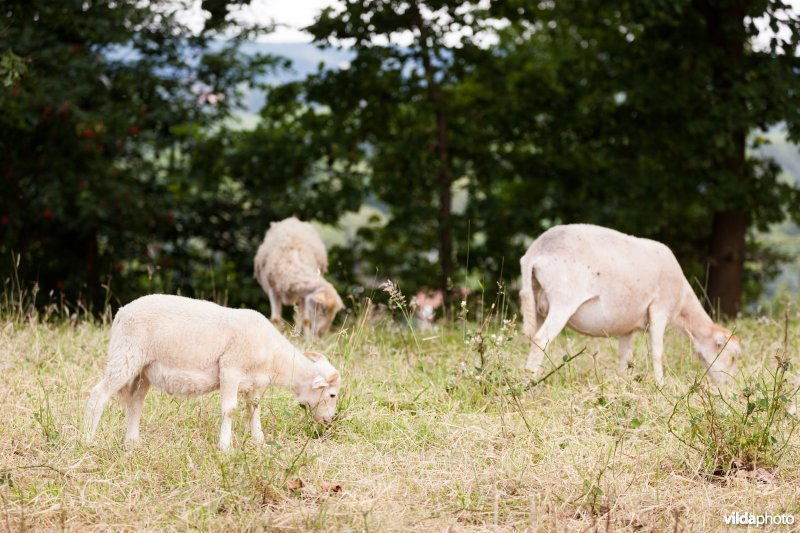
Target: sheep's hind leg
[(98, 399), (133, 410), (228, 392), (101, 393), (556, 320), (256, 433), (625, 352)]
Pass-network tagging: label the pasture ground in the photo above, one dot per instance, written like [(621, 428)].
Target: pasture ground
[(436, 432)]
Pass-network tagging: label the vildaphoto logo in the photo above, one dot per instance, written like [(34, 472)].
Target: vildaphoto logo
[(758, 520)]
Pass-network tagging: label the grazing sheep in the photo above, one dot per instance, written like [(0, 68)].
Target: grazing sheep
[(189, 347), (289, 266), (426, 304), (601, 282)]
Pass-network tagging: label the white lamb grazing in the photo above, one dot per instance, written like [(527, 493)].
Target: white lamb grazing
[(601, 282), (289, 266), (189, 347)]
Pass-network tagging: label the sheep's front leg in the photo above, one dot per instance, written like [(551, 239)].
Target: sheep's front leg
[(256, 432), (625, 351), (657, 327), (303, 320), (228, 392)]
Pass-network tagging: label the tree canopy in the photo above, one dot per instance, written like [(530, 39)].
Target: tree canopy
[(96, 133), (469, 127)]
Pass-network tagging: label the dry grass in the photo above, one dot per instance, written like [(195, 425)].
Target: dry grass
[(423, 441)]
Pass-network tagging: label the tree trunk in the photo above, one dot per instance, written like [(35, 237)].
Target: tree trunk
[(726, 263), (444, 180), (727, 246)]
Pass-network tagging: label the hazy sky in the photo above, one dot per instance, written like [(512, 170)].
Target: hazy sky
[(295, 14), (292, 15)]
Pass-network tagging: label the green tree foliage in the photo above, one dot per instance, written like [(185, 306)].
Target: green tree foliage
[(396, 108), (636, 115), (631, 115), (12, 67), (121, 161), (97, 134), (287, 166)]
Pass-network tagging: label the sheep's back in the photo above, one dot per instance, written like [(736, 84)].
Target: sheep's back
[(294, 236), (620, 277), (181, 333)]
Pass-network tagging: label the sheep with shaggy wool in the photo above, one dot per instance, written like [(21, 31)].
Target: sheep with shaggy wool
[(189, 347), (289, 265)]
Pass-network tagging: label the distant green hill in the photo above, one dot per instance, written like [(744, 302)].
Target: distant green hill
[(786, 154), (784, 237)]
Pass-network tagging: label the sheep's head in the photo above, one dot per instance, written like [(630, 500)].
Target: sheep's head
[(321, 391), (427, 304), (320, 309), (720, 349)]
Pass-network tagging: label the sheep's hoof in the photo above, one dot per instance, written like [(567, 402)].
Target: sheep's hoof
[(534, 369), (625, 368)]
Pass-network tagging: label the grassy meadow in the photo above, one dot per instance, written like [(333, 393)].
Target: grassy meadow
[(438, 430)]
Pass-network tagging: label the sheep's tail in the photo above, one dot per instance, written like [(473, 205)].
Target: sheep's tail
[(258, 263), (527, 297), (126, 356), (257, 268)]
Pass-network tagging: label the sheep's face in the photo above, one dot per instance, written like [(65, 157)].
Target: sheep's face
[(322, 393), (321, 307), (720, 341)]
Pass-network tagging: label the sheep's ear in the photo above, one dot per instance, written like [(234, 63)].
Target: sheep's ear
[(720, 338), (319, 297), (314, 356), (332, 378), (319, 383)]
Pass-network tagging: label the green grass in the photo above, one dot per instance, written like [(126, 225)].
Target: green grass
[(424, 439)]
